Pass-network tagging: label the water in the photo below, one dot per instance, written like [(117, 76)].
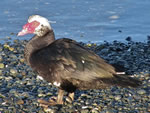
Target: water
[(84, 20)]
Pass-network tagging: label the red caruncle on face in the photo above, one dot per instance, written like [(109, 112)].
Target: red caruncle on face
[(30, 27)]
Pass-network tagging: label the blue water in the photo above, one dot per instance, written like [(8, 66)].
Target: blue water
[(84, 20)]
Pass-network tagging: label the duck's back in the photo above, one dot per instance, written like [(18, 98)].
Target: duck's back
[(68, 56)]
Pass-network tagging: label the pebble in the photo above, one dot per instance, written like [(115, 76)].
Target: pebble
[(25, 95), (1, 58), (13, 71), (22, 60), (84, 111), (16, 41), (13, 91), (41, 95), (117, 97), (141, 91), (11, 48), (20, 102), (48, 110), (94, 111), (2, 65), (1, 72), (2, 96), (6, 46)]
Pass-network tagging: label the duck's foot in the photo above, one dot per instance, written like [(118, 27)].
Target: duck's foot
[(53, 100), (45, 104)]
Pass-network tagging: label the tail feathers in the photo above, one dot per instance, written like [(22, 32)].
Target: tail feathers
[(125, 81), (119, 80)]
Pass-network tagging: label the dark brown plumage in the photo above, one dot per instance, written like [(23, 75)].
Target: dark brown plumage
[(68, 65)]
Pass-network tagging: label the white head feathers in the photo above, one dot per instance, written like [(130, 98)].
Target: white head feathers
[(43, 21)]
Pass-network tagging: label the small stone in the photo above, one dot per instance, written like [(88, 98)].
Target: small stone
[(148, 109), (49, 94), (48, 110), (128, 38), (1, 72), (84, 111), (11, 49), (25, 95), (23, 73), (89, 45), (2, 65), (13, 71), (13, 56), (20, 102), (120, 31), (16, 41), (141, 91), (1, 49), (12, 91), (41, 95), (148, 37), (19, 76), (2, 77), (117, 97), (22, 60), (1, 58), (12, 34), (8, 78), (6, 46), (9, 38), (94, 111), (2, 96)]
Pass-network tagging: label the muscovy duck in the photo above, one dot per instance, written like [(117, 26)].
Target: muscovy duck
[(66, 64)]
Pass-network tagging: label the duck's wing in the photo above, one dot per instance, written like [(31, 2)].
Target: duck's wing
[(77, 62)]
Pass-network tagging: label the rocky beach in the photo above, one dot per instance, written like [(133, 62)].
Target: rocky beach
[(20, 87)]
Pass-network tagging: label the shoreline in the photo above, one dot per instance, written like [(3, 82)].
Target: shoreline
[(20, 89)]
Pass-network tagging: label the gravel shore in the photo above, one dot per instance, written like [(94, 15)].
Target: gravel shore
[(20, 88)]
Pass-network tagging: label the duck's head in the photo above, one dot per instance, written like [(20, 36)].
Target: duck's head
[(36, 25)]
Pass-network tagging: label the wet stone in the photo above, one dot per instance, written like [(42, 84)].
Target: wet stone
[(16, 41), (84, 111), (1, 72), (94, 111), (1, 58), (2, 96), (13, 91), (141, 91), (48, 110), (22, 60), (20, 102), (11, 49), (13, 56), (1, 49), (2, 65), (117, 97), (13, 71), (41, 95), (25, 95), (6, 46)]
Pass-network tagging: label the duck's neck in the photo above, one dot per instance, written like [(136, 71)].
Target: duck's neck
[(37, 43)]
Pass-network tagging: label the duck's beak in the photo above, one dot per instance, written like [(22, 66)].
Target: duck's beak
[(29, 28), (22, 32)]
